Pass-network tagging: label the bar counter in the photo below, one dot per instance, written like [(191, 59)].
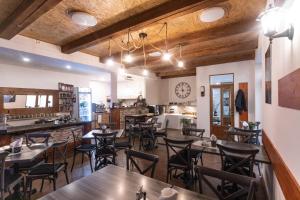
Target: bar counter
[(60, 130)]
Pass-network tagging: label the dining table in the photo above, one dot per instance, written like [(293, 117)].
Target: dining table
[(115, 183), (90, 135)]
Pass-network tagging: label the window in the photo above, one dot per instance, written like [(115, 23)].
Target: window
[(42, 100), (30, 101)]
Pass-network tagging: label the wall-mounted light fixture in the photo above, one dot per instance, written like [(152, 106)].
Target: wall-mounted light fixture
[(271, 20), (202, 91)]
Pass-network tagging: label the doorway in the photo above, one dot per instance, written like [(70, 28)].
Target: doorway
[(221, 104)]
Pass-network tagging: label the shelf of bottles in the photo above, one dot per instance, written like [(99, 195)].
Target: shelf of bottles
[(66, 97)]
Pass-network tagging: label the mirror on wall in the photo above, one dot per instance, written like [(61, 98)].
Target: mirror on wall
[(14, 101), (50, 101), (42, 101)]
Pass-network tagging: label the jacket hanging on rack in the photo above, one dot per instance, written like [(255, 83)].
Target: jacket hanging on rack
[(240, 102)]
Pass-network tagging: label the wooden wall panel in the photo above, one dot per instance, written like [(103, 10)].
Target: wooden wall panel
[(244, 87), (286, 179), (289, 90)]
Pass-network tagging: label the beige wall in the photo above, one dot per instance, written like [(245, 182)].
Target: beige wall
[(243, 72), (282, 124)]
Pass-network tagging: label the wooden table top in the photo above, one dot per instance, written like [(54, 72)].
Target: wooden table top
[(261, 156), (115, 183), (27, 153), (90, 135)]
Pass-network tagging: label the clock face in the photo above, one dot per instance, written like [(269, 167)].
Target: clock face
[(182, 90)]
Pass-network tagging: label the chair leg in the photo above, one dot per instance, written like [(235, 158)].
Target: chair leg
[(82, 157), (54, 184), (258, 167), (168, 176), (74, 156), (66, 174), (42, 185), (30, 189), (90, 158)]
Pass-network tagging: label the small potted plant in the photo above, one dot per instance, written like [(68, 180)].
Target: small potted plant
[(213, 140)]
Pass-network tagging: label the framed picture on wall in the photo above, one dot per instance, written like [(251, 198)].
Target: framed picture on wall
[(268, 76)]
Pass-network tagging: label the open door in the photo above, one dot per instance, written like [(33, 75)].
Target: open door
[(221, 109)]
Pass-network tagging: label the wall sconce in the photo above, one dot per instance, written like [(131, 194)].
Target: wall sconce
[(271, 19), (202, 91)]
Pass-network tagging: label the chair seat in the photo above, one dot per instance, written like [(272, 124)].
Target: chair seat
[(46, 168), (85, 147), (11, 179), (160, 133), (122, 145), (27, 165)]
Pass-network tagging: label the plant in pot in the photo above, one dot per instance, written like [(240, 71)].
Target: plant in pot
[(185, 124), (213, 140)]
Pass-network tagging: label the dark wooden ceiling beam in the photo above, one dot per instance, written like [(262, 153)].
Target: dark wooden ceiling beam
[(178, 73), (25, 14), (208, 60), (229, 30), (169, 9)]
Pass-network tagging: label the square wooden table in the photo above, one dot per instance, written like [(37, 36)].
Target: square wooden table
[(27, 154), (90, 135), (115, 183)]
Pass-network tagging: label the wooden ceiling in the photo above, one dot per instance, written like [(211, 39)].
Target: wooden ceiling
[(232, 38)]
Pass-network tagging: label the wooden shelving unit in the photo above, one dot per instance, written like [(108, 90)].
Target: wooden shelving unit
[(65, 97)]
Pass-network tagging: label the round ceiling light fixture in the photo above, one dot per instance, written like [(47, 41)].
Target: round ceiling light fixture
[(83, 19), (212, 14)]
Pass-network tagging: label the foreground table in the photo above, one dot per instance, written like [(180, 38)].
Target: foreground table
[(115, 183)]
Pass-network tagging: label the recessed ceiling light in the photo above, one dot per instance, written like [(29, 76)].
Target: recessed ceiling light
[(83, 19), (69, 67), (211, 14), (26, 59)]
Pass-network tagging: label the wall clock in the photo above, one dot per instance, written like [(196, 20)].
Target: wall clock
[(182, 90)]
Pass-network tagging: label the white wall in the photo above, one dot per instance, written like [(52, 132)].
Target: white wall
[(131, 89), (243, 72), (191, 80), (22, 77), (282, 124)]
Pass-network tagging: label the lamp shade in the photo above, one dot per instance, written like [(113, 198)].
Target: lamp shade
[(271, 20)]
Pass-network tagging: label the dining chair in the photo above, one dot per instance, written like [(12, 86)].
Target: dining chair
[(50, 170), (125, 144), (8, 180), (105, 149), (237, 160), (246, 186), (133, 157), (147, 138), (81, 147), (162, 132), (195, 154), (31, 139), (179, 157)]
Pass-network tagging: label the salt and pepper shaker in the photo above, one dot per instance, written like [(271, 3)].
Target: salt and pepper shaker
[(140, 195)]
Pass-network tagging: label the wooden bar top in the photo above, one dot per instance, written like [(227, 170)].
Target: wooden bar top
[(115, 183)]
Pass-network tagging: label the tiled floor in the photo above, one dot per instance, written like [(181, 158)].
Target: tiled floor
[(81, 170)]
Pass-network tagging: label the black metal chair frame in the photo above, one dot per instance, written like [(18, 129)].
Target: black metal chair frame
[(162, 133), (125, 144), (60, 149), (8, 182), (32, 138), (130, 159), (147, 134), (84, 149), (239, 161), (186, 162), (246, 185), (244, 135), (105, 149)]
